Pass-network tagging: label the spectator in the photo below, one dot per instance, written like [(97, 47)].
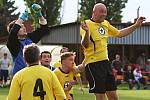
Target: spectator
[(45, 60), (148, 67), (117, 64), (129, 77), (4, 66), (139, 78), (141, 60)]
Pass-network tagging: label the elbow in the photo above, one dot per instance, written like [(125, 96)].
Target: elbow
[(85, 45)]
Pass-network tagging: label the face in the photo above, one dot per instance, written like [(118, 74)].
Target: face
[(69, 62), (45, 59), (129, 67), (99, 13), (5, 56), (22, 32), (118, 57)]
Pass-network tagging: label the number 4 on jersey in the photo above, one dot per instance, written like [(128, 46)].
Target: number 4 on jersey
[(38, 89)]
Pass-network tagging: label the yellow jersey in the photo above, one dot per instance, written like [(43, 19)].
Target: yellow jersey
[(57, 64), (35, 82), (65, 79), (99, 33)]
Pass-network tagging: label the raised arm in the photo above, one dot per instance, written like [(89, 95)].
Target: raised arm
[(130, 29), (13, 29), (85, 35), (36, 35)]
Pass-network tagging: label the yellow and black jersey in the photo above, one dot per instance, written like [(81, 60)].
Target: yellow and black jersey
[(35, 82), (99, 33), (65, 78)]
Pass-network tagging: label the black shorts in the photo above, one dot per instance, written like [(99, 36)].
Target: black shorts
[(100, 77)]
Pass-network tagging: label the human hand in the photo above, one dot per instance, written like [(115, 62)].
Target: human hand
[(68, 85), (24, 16), (84, 26), (140, 21), (37, 10)]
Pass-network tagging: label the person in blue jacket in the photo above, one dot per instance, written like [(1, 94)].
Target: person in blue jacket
[(18, 36)]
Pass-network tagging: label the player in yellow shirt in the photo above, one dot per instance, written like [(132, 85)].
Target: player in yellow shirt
[(58, 62), (35, 82), (65, 73), (77, 74), (95, 33)]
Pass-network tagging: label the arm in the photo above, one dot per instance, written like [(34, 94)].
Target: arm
[(86, 38), (80, 83), (81, 67), (36, 35), (130, 29), (13, 41)]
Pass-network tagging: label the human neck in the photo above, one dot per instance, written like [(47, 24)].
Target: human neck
[(32, 64), (21, 37), (64, 69)]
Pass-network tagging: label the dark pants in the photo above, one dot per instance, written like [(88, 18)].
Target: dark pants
[(4, 75), (141, 81)]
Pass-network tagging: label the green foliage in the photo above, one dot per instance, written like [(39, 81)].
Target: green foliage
[(50, 10), (6, 9), (114, 8)]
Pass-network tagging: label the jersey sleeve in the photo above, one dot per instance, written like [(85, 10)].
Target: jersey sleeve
[(57, 64), (112, 31), (58, 89), (14, 91)]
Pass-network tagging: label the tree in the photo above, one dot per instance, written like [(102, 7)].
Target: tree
[(114, 8), (50, 9), (6, 9)]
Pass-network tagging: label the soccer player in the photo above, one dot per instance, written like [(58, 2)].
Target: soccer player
[(35, 82), (58, 62), (45, 60), (95, 33), (18, 36), (66, 74)]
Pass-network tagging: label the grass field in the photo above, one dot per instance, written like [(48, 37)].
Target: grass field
[(123, 92)]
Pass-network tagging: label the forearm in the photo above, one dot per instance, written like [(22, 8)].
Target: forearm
[(19, 21), (128, 30), (42, 20), (79, 81), (86, 40)]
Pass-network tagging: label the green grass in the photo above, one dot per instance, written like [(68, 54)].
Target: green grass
[(123, 92), (3, 93)]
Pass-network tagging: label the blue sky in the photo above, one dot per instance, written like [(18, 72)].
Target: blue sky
[(129, 13)]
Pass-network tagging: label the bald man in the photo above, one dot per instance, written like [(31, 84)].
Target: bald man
[(95, 33)]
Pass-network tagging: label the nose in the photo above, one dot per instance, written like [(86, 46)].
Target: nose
[(104, 14)]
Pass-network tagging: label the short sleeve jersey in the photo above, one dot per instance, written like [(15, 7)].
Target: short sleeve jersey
[(34, 82), (64, 78), (99, 33)]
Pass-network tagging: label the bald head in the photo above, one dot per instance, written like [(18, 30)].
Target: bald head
[(99, 12)]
